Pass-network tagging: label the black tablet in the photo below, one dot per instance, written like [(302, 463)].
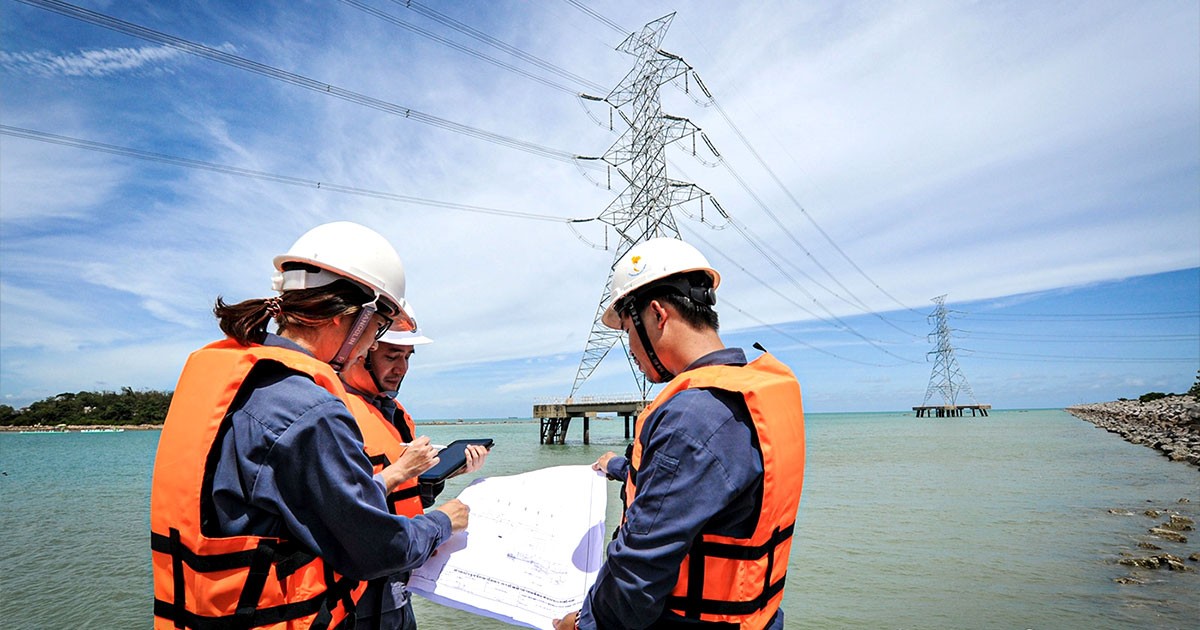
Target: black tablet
[(451, 459)]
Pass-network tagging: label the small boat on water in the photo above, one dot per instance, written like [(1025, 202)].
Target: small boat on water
[(101, 430)]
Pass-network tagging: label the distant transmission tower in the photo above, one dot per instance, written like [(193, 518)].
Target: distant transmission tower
[(643, 210), (947, 378)]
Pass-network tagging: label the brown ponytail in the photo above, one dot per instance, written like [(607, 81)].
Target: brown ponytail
[(246, 322)]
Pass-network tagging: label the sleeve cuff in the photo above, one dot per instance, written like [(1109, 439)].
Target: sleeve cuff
[(616, 467), (443, 523)]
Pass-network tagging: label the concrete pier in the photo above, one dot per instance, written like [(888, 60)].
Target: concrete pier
[(556, 416), (950, 411)]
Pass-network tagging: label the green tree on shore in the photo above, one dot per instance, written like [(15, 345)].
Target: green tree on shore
[(105, 408)]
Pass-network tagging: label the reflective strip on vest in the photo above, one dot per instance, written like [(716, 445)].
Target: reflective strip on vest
[(740, 580), (203, 581)]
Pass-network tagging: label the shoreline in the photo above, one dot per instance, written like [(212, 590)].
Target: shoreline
[(78, 428), (1169, 425)]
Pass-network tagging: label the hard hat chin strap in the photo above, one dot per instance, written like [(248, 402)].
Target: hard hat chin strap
[(379, 388), (356, 332), (635, 316)]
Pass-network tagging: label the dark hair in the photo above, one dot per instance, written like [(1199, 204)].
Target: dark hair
[(697, 314), (247, 321)]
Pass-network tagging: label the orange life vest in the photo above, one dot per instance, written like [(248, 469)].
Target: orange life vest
[(382, 443), (740, 580), (204, 581)]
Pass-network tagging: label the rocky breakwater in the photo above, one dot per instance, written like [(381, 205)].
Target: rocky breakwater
[(1170, 425)]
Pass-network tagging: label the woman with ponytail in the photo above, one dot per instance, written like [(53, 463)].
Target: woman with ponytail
[(265, 510)]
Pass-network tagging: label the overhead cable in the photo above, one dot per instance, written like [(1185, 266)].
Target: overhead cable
[(89, 145), (1068, 338), (985, 354), (771, 255), (802, 342), (109, 22), (476, 34), (875, 343), (1068, 317), (787, 191), (456, 46), (599, 18)]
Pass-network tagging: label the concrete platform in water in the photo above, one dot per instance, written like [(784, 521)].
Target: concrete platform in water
[(950, 411), (556, 416)]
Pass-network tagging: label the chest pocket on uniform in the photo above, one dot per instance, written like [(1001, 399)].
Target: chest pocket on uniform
[(643, 514)]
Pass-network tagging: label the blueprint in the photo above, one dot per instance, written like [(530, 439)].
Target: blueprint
[(532, 548)]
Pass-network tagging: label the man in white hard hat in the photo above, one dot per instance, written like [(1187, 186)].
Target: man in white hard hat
[(713, 477), (389, 433)]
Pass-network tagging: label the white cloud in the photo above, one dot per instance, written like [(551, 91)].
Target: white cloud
[(89, 63), (930, 141)]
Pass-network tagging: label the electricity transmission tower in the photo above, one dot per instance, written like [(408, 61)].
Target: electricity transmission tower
[(643, 209), (947, 378)]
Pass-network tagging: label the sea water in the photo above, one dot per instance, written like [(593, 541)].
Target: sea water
[(998, 522)]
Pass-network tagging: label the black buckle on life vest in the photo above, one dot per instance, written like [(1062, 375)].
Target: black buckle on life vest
[(693, 604), (259, 562), (337, 591)]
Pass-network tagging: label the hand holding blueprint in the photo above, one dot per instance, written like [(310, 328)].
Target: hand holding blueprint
[(532, 548)]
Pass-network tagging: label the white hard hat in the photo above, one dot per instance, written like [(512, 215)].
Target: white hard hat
[(648, 262), (405, 338), (346, 250)]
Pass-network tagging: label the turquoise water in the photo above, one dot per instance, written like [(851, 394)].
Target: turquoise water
[(999, 522)]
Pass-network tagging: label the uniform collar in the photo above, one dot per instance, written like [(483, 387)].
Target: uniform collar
[(724, 356), (275, 341)]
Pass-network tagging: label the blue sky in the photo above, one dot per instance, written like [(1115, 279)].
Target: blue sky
[(1038, 163)]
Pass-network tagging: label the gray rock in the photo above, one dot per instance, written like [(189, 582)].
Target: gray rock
[(1170, 425), (1167, 534), (1179, 523)]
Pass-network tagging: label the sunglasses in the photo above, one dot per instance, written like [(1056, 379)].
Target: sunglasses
[(392, 315)]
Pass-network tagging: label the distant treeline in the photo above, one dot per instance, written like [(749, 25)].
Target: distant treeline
[(125, 407), (1149, 396)]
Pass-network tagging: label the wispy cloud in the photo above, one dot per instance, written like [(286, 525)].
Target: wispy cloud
[(101, 62), (971, 149)]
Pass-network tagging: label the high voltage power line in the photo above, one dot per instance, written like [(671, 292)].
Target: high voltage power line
[(1059, 358), (480, 36), (783, 333), (128, 28), (837, 321), (996, 336), (599, 18), (762, 162), (31, 134), (1065, 317), (763, 248), (459, 47), (141, 32)]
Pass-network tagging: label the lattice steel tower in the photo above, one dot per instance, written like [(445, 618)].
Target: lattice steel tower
[(947, 378), (643, 210)]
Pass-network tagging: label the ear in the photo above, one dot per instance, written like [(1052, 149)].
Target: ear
[(660, 312)]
